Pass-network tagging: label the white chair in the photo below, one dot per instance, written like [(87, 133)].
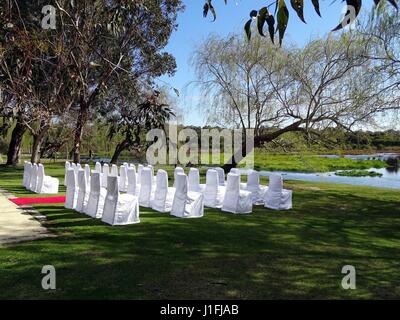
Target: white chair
[(71, 197), (236, 200), (83, 192), (176, 172), (194, 181), (97, 167), (123, 180), (253, 185), (97, 197), (77, 167), (139, 173), (46, 184), (237, 171), (67, 166), (186, 204), (87, 174), (213, 192), (276, 197), (221, 176), (114, 170), (163, 195), (34, 176), (104, 175), (119, 209), (27, 174), (146, 187), (131, 173)]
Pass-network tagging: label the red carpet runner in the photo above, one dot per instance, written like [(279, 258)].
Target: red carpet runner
[(23, 201)]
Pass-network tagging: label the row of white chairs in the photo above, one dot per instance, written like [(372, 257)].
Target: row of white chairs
[(187, 198), (35, 180), (116, 208), (216, 188)]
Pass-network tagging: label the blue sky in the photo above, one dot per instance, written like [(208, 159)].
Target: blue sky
[(193, 29)]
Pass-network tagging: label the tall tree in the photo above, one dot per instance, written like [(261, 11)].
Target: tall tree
[(329, 83)]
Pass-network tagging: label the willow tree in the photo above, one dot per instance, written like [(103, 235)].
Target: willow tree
[(251, 85)]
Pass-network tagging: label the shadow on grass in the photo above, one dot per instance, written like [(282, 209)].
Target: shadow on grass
[(265, 255)]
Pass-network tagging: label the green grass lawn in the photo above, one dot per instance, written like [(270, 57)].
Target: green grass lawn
[(265, 255)]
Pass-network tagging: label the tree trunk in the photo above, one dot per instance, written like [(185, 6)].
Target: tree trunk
[(80, 124), (118, 149), (14, 148), (37, 143)]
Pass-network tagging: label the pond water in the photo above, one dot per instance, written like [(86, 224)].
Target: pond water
[(390, 176)]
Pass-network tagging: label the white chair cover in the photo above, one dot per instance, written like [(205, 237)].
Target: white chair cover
[(87, 175), (114, 170), (236, 200), (221, 176), (27, 175), (186, 204), (176, 171), (83, 192), (72, 190), (213, 192), (139, 173), (67, 166), (123, 181), (276, 197), (46, 184), (104, 175), (119, 209), (146, 188), (97, 167), (194, 180), (77, 167), (131, 189), (253, 185), (163, 196), (34, 176), (97, 197)]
